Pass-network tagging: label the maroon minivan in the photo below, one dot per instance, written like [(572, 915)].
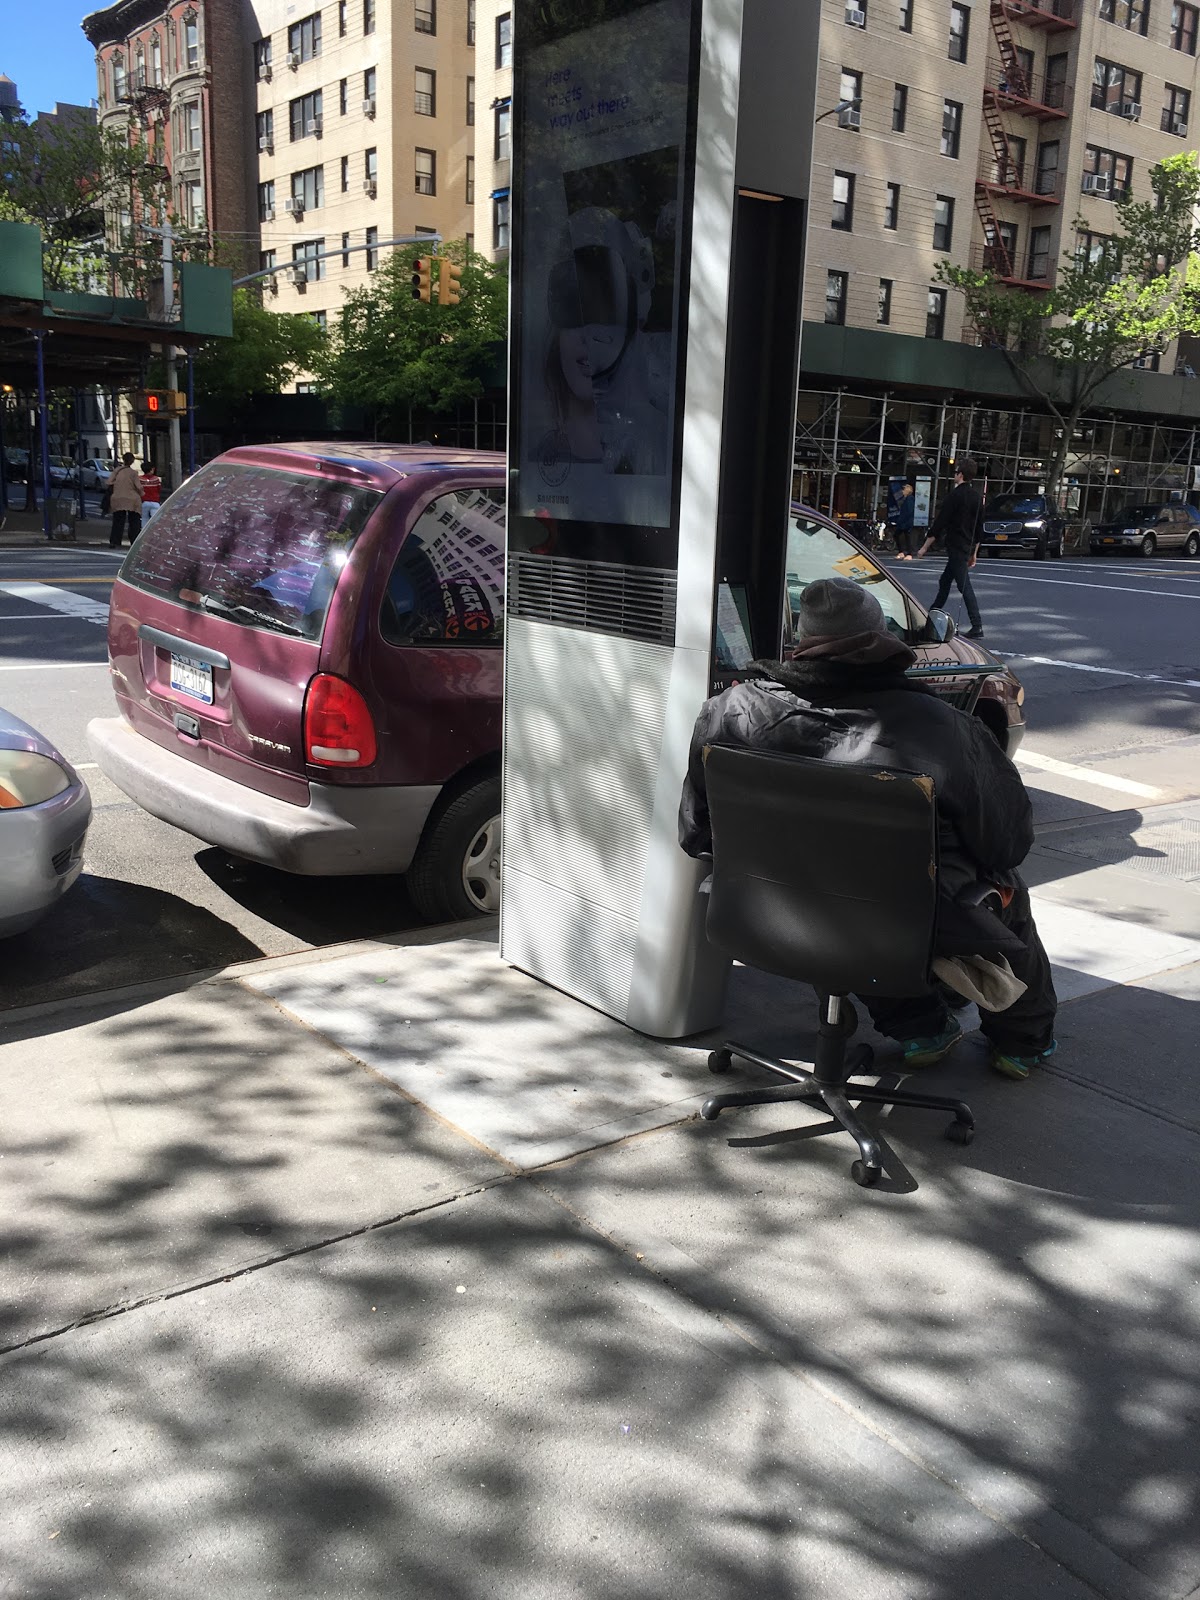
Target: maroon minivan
[(305, 647)]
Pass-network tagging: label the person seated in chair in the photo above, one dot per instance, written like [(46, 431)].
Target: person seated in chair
[(843, 696)]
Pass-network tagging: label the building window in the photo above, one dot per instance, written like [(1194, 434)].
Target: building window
[(343, 96), (304, 38), (305, 116), (371, 166), (906, 16), (118, 78), (191, 126), (345, 174), (308, 189), (1116, 88), (1175, 112), (1091, 248), (319, 319), (372, 249), (850, 86), (470, 241), (191, 43), (425, 103), (835, 296), (470, 102), (1003, 262), (305, 256), (1183, 28), (471, 22), (266, 260), (192, 194), (341, 19), (503, 143), (156, 62), (935, 314), (262, 58), (899, 107), (266, 201), (470, 196), (1046, 178), (843, 201), (951, 127), (345, 249), (1131, 14), (943, 222), (960, 30), (500, 222), (1039, 254), (891, 206), (883, 314), (426, 171), (1106, 173), (368, 16), (370, 79), (426, 16), (264, 127), (504, 40)]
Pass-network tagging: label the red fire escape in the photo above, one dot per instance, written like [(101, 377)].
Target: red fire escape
[(1011, 85)]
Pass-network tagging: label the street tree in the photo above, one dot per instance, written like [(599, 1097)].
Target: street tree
[(267, 350), (64, 175), (388, 351), (1124, 299)]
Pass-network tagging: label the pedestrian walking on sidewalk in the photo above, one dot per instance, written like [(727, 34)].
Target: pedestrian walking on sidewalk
[(959, 525), (902, 522), (151, 491), (126, 501)]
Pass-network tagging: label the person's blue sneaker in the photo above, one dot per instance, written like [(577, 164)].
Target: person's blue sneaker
[(1019, 1067), (925, 1052)]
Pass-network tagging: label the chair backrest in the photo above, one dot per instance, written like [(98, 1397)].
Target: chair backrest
[(823, 871)]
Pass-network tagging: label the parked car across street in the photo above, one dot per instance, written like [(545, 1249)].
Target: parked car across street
[(1145, 529)]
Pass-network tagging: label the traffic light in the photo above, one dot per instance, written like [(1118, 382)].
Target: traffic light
[(449, 283), (421, 284), (160, 403)]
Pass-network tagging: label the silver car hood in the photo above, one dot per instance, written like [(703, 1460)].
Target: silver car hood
[(18, 735)]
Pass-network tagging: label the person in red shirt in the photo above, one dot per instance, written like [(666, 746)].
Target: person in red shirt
[(151, 491)]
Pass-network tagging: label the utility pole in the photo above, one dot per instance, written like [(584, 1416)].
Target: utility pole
[(168, 268)]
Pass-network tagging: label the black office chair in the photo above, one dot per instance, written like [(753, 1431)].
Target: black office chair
[(826, 873)]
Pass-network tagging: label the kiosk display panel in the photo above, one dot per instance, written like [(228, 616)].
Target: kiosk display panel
[(604, 142)]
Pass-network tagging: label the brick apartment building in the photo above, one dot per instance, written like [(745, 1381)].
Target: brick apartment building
[(493, 134), (179, 72)]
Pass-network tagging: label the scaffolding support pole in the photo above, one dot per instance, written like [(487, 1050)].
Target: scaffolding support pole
[(43, 432), (883, 416), (837, 428), (937, 471)]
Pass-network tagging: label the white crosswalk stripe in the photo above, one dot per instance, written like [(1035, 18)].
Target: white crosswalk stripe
[(64, 601)]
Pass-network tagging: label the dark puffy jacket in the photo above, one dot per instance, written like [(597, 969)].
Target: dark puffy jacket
[(875, 716)]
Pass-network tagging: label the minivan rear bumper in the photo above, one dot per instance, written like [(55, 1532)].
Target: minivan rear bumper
[(342, 829)]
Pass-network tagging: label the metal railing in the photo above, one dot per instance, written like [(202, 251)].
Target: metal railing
[(1013, 85)]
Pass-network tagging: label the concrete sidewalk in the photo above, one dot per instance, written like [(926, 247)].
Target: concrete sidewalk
[(386, 1271)]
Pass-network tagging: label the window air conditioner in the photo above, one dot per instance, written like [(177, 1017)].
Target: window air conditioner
[(369, 107), (272, 284), (1096, 183), (313, 126), (1131, 109), (269, 214), (264, 72), (267, 145), (850, 118), (369, 187), (1179, 127), (294, 207), (855, 17), (293, 59), (299, 276)]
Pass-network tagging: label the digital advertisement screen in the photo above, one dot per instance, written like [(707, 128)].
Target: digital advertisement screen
[(601, 201)]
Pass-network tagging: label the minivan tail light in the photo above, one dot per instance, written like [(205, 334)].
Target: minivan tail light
[(338, 730)]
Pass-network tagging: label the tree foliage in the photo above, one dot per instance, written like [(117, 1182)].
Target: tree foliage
[(267, 350), (387, 351), (63, 175), (1125, 300)]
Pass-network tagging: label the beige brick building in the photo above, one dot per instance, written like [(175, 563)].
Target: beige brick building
[(362, 129), (493, 131)]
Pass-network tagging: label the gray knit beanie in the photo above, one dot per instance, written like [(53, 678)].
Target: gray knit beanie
[(838, 608)]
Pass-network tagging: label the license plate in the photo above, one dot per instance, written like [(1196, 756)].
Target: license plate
[(1001, 538), (1108, 541), (192, 678)]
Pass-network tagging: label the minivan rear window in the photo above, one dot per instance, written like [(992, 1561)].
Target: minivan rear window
[(256, 545)]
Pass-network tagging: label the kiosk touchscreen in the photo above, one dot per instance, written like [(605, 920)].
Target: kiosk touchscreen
[(657, 214)]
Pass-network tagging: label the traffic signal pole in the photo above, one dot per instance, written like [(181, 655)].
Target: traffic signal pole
[(168, 266)]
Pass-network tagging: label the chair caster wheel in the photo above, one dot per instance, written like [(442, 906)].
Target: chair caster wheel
[(866, 1177), (720, 1061), (710, 1111), (960, 1132)]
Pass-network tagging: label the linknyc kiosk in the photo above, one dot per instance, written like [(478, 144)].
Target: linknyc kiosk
[(661, 163)]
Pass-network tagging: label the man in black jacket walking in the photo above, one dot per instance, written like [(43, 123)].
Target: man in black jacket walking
[(844, 696), (959, 524)]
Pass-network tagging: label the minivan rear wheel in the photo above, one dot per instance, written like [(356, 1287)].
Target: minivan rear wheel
[(1192, 544), (456, 871)]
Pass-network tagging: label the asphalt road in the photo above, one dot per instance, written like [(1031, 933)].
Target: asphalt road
[(1108, 650)]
